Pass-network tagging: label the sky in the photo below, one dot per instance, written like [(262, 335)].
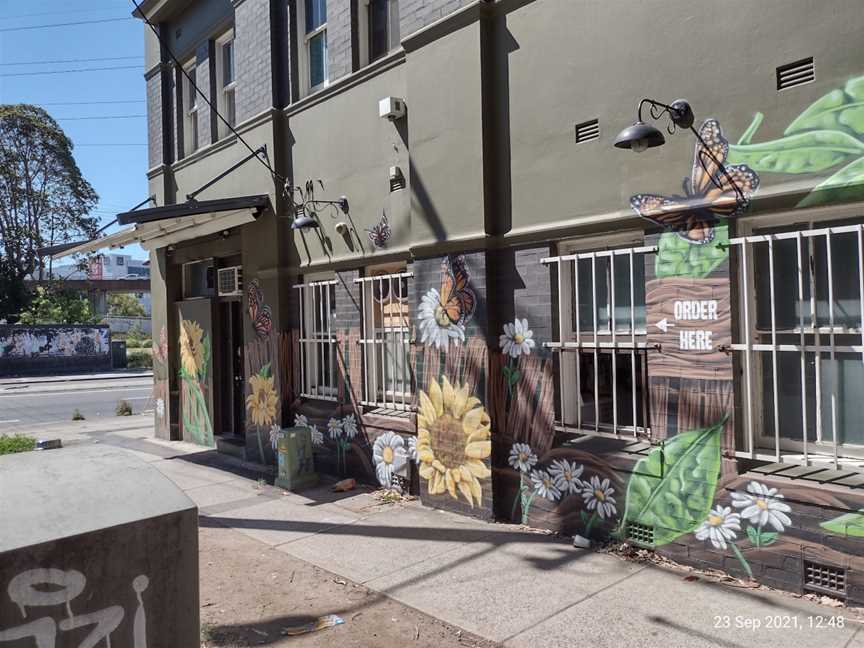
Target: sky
[(110, 144)]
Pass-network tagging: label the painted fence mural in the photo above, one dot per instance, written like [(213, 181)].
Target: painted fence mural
[(196, 371), (27, 349)]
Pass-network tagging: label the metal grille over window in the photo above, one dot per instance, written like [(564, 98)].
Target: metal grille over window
[(801, 342), (386, 342), (318, 371), (601, 342)]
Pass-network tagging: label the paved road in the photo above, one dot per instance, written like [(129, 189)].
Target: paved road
[(29, 404)]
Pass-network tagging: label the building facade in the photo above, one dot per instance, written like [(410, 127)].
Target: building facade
[(508, 315)]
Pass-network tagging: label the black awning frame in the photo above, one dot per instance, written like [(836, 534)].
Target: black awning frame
[(258, 203)]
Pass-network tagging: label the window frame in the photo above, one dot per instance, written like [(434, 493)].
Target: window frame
[(317, 293), (226, 94), (764, 442), (373, 341), (304, 40), (365, 31), (615, 341), (191, 122)]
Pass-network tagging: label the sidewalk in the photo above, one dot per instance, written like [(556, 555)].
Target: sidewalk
[(499, 582), (109, 375)]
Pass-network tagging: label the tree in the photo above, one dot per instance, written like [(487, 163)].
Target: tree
[(125, 305), (57, 305), (44, 199)]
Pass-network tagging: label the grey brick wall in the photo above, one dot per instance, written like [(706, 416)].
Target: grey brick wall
[(252, 64), (339, 38), (154, 119), (348, 306), (416, 14), (202, 80)]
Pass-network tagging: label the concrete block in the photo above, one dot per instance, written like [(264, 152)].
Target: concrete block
[(96, 545)]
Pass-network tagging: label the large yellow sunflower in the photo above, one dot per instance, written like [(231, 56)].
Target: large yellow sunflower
[(191, 347), (262, 402), (453, 439)]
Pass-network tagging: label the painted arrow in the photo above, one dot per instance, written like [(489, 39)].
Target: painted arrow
[(664, 325)]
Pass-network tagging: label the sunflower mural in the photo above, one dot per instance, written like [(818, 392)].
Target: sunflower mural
[(262, 405), (453, 441), (194, 367)]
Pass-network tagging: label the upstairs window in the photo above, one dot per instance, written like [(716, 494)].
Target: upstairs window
[(313, 44), (189, 101), (379, 29), (225, 82)]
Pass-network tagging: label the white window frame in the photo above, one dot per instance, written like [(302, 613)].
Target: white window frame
[(191, 123), (751, 342), (226, 94), (381, 343), (305, 58), (630, 341), (317, 296), (364, 32)]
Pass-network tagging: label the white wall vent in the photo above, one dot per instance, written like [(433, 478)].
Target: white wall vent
[(796, 74), (230, 281), (587, 131)]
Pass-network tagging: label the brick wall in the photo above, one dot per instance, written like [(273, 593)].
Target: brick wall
[(154, 118), (252, 64), (416, 14), (339, 38), (202, 80)]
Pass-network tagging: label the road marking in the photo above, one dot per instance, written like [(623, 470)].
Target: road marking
[(118, 390)]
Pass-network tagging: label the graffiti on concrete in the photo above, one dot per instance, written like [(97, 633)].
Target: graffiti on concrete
[(71, 341), (49, 587)]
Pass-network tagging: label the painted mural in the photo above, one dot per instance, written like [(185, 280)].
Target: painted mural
[(827, 137), (195, 358), (54, 341), (161, 388)]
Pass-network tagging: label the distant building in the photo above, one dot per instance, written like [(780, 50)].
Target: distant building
[(104, 266)]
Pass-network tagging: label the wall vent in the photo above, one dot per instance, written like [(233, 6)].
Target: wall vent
[(230, 281), (824, 578), (640, 533), (796, 74), (587, 131)]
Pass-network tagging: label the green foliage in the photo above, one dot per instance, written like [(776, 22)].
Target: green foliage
[(672, 489), (13, 293), (45, 200), (125, 305), (135, 338), (139, 358), (77, 415), (679, 258), (850, 524), (57, 305), (124, 408), (829, 133), (10, 444)]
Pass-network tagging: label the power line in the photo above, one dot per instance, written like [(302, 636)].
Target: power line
[(60, 13), (101, 117), (254, 152), (96, 69), (111, 144), (83, 60), (68, 24), (87, 103)]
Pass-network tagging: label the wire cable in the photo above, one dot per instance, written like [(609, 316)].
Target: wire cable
[(83, 60), (86, 103), (97, 69), (100, 117), (68, 24), (262, 160)]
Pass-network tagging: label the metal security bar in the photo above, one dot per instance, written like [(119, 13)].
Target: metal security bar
[(801, 343), (318, 377), (601, 347), (386, 342)]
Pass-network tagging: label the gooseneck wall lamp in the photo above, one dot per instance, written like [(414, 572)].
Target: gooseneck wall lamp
[(641, 136), (306, 209)]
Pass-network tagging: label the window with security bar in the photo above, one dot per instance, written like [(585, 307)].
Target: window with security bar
[(318, 367), (386, 339), (801, 340), (601, 385)]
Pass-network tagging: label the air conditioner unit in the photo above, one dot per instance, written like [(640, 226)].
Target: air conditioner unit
[(230, 281), (391, 108)]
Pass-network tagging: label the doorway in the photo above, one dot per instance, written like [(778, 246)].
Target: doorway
[(231, 387)]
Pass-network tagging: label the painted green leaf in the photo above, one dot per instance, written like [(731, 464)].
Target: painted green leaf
[(845, 185), (753, 535), (768, 537), (809, 152), (850, 524), (834, 111), (672, 489)]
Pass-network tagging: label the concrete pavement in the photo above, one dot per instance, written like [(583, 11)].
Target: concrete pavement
[(500, 582)]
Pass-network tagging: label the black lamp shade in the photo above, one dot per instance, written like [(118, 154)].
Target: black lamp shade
[(640, 132), (304, 222)]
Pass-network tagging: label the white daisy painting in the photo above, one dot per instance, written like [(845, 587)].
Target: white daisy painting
[(390, 457), (721, 526), (762, 506), (517, 339)]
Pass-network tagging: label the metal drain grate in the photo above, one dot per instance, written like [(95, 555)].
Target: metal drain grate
[(640, 533), (824, 578)]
